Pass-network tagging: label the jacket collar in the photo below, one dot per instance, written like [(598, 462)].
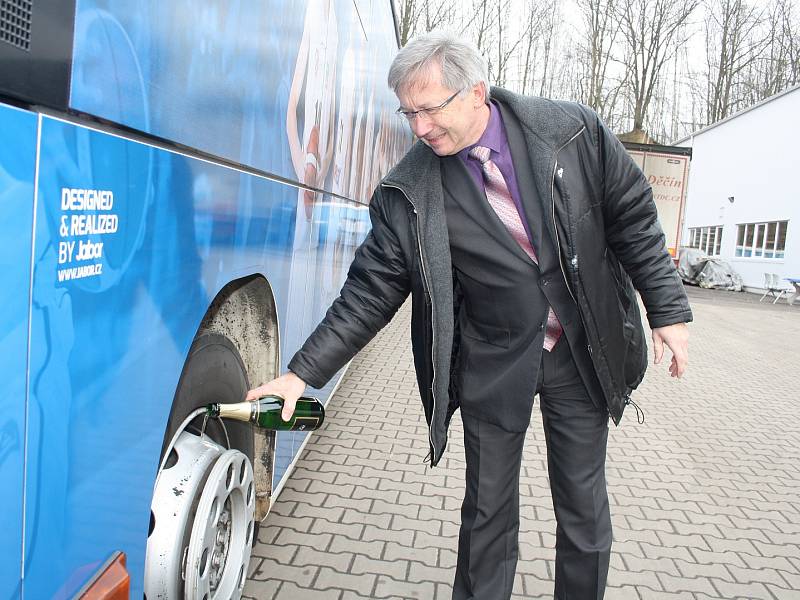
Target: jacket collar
[(542, 119), (546, 127), (418, 173)]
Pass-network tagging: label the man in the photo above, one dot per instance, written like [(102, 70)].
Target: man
[(517, 224)]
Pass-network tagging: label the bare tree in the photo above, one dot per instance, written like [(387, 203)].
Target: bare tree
[(507, 43), (479, 24), (417, 16), (408, 12), (790, 25), (666, 121), (779, 65), (683, 101), (732, 46), (601, 29), (538, 30), (439, 14), (652, 30), (629, 59), (549, 44)]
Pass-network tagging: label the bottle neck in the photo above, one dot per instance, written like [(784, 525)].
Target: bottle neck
[(241, 411)]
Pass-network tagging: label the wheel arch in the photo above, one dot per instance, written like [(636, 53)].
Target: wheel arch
[(246, 312)]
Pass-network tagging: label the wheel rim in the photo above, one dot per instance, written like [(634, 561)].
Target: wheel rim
[(203, 520), (222, 533)]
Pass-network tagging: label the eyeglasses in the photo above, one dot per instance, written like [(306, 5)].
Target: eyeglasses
[(413, 114)]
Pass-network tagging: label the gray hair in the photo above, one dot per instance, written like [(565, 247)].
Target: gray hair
[(461, 63)]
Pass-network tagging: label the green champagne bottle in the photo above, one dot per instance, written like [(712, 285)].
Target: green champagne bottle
[(266, 413)]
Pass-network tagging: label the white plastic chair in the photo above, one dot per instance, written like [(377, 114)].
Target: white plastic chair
[(773, 285)]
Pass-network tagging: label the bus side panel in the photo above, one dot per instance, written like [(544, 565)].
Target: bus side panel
[(277, 85), (213, 76), (17, 170), (132, 244)]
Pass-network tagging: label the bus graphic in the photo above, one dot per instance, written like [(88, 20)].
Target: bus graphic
[(183, 185)]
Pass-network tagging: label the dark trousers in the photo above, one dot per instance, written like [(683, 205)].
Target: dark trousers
[(576, 432)]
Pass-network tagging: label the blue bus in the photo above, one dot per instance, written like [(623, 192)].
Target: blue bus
[(183, 185)]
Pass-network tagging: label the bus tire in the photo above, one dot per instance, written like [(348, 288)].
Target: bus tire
[(213, 372)]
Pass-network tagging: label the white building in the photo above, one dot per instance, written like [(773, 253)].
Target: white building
[(743, 198)]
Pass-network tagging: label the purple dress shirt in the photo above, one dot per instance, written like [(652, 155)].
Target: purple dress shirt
[(494, 138)]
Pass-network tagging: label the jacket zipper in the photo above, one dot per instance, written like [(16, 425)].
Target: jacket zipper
[(433, 329), (555, 225), (558, 243)]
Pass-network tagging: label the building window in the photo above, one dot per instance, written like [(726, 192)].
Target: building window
[(707, 239), (761, 240)]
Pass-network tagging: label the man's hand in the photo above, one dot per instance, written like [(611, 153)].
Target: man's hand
[(288, 386), (676, 337)]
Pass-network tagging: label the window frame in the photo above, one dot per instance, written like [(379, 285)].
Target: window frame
[(707, 238), (761, 240)]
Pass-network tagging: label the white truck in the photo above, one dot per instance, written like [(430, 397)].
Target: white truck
[(667, 171)]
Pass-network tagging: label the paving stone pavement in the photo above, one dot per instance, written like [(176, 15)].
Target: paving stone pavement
[(705, 494)]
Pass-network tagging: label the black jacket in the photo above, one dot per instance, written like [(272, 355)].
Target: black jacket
[(601, 212)]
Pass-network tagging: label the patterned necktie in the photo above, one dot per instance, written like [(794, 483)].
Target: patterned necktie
[(503, 204)]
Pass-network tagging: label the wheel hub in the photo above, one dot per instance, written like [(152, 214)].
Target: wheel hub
[(203, 512), (222, 533)]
